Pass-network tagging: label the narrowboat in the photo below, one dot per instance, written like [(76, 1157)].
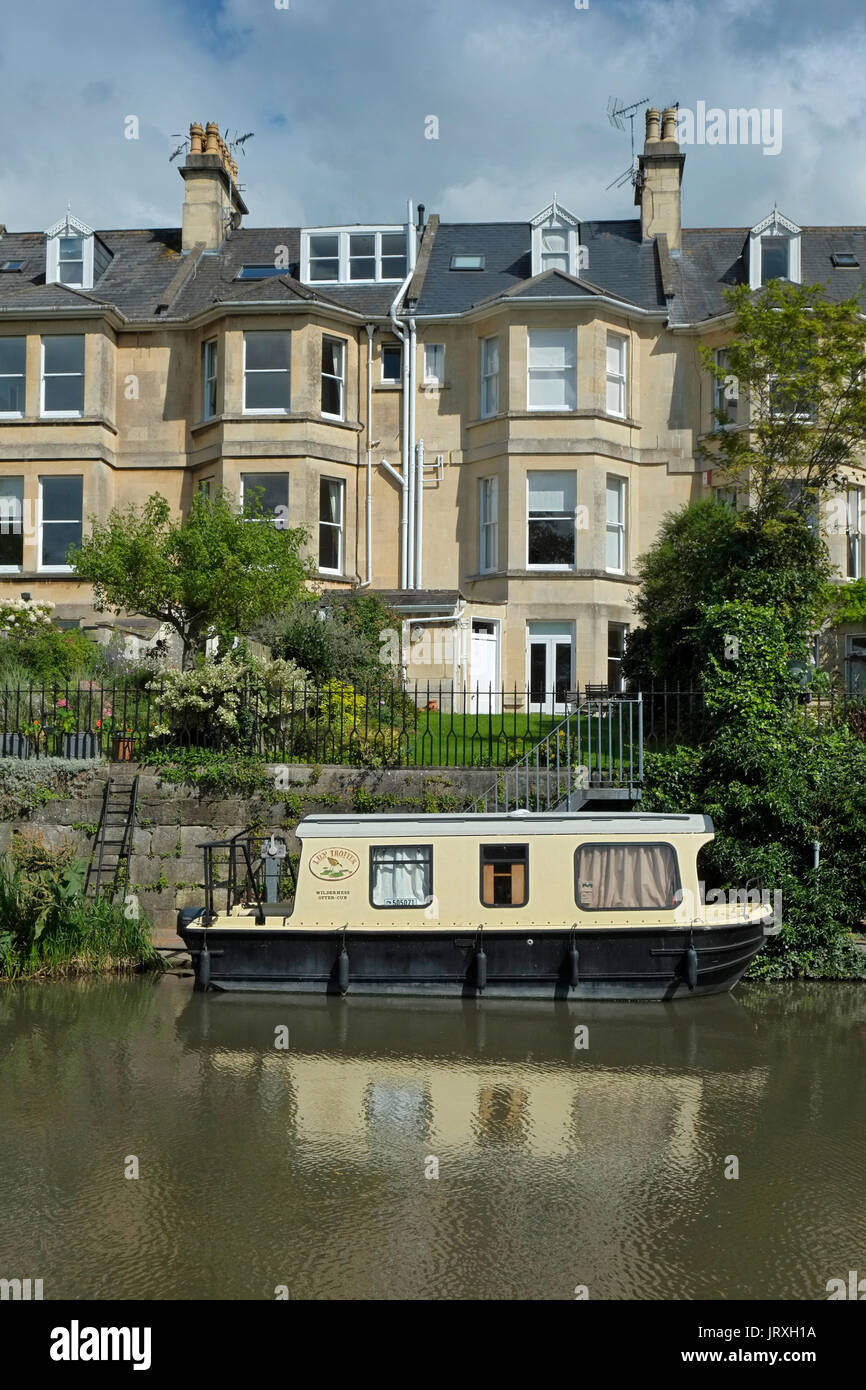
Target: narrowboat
[(569, 905)]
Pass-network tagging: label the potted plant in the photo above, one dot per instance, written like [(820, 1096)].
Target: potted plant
[(75, 743), (120, 734)]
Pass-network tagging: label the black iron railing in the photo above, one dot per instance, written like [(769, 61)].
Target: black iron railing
[(378, 725)]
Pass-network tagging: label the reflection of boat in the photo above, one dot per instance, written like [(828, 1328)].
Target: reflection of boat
[(454, 1075), (718, 1036), (561, 906)]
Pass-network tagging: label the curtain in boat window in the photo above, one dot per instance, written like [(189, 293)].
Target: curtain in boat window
[(401, 875), (619, 877)]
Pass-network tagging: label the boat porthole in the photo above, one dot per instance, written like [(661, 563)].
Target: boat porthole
[(529, 941)]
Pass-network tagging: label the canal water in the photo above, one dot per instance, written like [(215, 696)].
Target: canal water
[(337, 1149)]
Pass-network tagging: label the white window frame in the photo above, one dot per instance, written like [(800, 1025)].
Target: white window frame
[(5, 483), (540, 568), (396, 346), (22, 376), (209, 376), (271, 371), (618, 485), (617, 379), (854, 533), (338, 526), (546, 371), (720, 402), (431, 378), (331, 376), (60, 414), (489, 379), (488, 524), (55, 569), (343, 257)]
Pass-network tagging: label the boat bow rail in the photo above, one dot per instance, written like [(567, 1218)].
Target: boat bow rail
[(247, 868)]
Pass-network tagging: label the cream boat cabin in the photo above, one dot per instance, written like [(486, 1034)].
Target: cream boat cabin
[(569, 905)]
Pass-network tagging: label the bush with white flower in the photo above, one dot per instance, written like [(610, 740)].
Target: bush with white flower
[(21, 617), (220, 704)]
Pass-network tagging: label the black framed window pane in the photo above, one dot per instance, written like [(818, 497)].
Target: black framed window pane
[(12, 355), (62, 499), (11, 542), (537, 672), (265, 492), (401, 875), (392, 362), (267, 391), (64, 393), (563, 670), (329, 548), (774, 258), (331, 396), (551, 541), (64, 353), (57, 537), (267, 352), (12, 394)]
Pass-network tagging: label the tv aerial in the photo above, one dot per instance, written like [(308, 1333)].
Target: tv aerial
[(617, 113)]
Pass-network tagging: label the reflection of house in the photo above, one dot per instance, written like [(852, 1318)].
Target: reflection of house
[(548, 366), (458, 1108)]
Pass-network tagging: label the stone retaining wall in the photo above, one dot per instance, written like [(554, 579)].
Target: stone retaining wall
[(173, 821)]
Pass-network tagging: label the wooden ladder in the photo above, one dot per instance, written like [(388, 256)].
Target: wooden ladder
[(108, 870)]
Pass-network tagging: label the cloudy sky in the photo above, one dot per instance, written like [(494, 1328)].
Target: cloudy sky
[(339, 92)]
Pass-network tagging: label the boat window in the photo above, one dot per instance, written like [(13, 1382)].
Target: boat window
[(621, 877), (401, 875), (504, 875)]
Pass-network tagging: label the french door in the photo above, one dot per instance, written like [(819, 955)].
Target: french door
[(549, 666)]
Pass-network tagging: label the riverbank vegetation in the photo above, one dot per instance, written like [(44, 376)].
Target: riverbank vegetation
[(48, 928), (732, 596)]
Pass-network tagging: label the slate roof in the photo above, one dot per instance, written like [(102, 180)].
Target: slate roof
[(149, 278)]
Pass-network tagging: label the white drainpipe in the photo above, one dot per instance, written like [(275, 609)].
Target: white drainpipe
[(371, 329), (419, 513), (407, 339)]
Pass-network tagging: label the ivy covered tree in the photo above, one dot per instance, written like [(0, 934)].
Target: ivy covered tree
[(216, 572)]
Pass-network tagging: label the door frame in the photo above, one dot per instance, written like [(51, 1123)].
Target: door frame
[(551, 705)]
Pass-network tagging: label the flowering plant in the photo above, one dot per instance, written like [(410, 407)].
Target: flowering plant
[(20, 617)]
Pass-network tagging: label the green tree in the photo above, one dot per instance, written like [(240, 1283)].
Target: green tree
[(216, 572), (797, 359), (706, 554)]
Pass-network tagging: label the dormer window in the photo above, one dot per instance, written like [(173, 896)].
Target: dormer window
[(555, 241), (774, 251), (354, 255), (74, 254)]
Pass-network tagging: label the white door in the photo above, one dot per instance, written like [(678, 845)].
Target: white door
[(484, 694), (549, 665)]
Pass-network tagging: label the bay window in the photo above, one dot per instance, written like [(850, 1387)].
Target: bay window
[(61, 517), (615, 401), (333, 377), (489, 377), (63, 374), (614, 554)]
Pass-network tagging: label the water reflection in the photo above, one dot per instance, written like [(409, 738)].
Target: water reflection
[(305, 1165)]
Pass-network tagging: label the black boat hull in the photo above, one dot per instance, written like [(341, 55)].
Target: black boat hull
[(612, 962)]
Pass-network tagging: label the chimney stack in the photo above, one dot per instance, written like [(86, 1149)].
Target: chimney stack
[(212, 204), (660, 176)]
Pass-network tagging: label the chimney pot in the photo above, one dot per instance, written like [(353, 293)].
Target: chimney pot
[(669, 123), (212, 135), (652, 123), (196, 138)]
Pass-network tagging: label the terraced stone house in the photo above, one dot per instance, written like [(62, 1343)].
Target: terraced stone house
[(485, 421)]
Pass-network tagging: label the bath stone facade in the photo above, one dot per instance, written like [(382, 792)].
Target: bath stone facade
[(485, 421)]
